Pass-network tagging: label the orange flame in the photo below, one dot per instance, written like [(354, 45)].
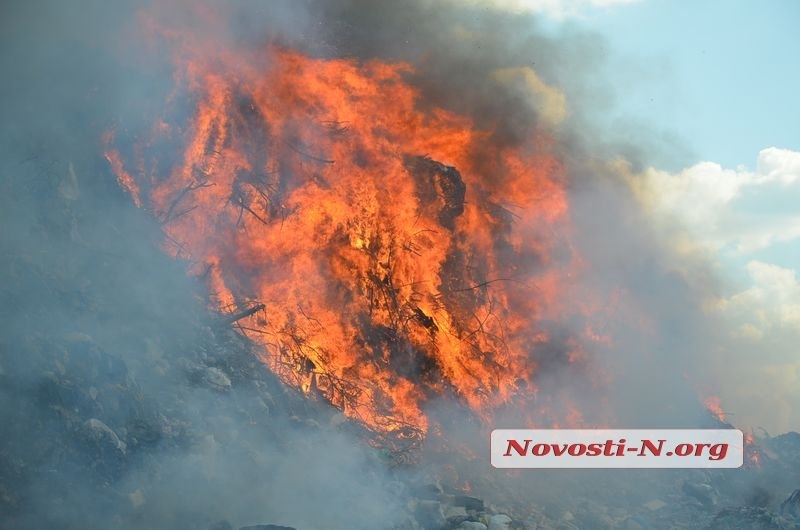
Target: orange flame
[(401, 253), (751, 450), (124, 179), (714, 406)]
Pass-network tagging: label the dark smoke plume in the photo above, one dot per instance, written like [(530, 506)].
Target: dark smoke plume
[(85, 284)]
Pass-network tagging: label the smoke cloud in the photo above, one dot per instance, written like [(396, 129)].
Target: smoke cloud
[(186, 440)]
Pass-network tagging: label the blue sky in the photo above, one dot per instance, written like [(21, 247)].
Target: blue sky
[(723, 79), (726, 73)]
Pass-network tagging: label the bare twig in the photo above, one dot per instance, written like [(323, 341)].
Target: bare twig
[(196, 185), (230, 319), (484, 284), (309, 156)]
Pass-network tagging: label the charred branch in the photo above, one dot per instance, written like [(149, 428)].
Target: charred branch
[(439, 187), (196, 185), (230, 319), (308, 155)]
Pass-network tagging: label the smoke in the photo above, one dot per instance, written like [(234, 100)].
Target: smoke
[(512, 77), (120, 404), (80, 259)]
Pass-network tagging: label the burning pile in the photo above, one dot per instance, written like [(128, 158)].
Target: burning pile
[(400, 240), (401, 253)]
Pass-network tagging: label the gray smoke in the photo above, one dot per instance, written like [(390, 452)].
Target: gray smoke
[(183, 441)]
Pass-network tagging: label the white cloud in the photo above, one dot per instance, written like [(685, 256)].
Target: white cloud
[(705, 200), (554, 8), (770, 304), (760, 360), (779, 165), (733, 218)]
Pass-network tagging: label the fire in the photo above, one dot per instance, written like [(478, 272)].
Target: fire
[(401, 253), (124, 179), (752, 452), (714, 406)]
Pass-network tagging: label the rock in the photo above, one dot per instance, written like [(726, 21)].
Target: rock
[(429, 514), (143, 431), (216, 379), (593, 515), (654, 505), (469, 503), (537, 521), (103, 436), (597, 522), (86, 360), (472, 525), (500, 522), (266, 527), (747, 518), (456, 521), (705, 493), (786, 447), (791, 506), (427, 491), (305, 422), (633, 524), (454, 511), (759, 496)]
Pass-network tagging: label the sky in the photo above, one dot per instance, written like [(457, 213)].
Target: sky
[(729, 74), (721, 80), (722, 77)]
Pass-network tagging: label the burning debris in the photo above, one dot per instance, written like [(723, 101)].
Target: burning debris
[(370, 248), (400, 255)]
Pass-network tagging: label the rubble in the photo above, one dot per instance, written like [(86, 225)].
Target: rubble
[(429, 514), (105, 415), (217, 379), (101, 435), (266, 527), (469, 503), (95, 408), (748, 518), (500, 522), (704, 493), (791, 506), (472, 525)]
